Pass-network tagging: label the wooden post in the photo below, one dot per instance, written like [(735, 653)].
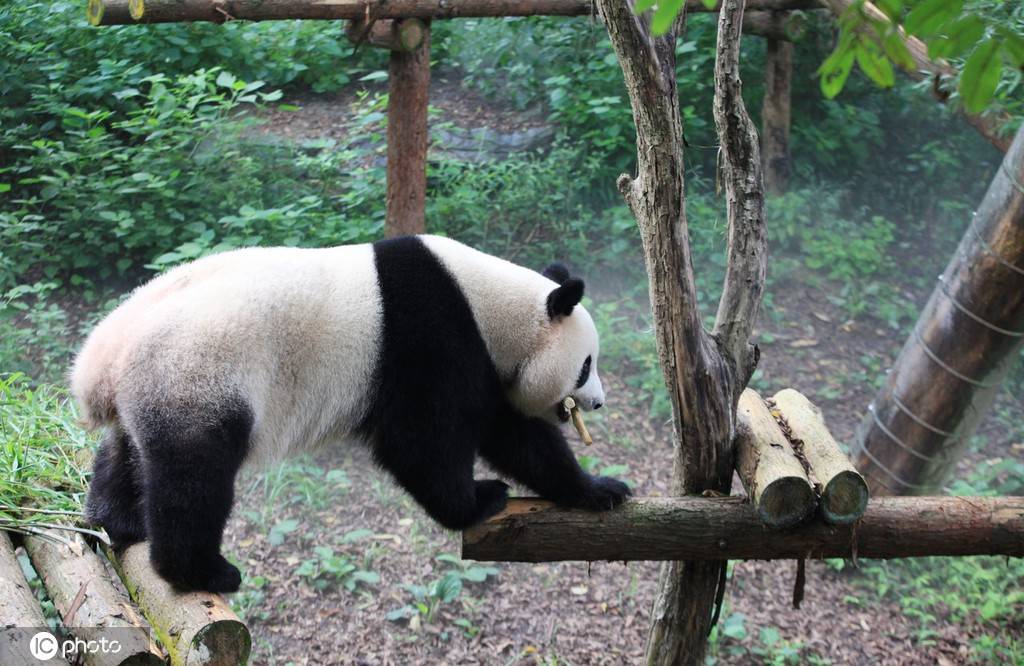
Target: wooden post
[(709, 529), (408, 95), (775, 110), (966, 339)]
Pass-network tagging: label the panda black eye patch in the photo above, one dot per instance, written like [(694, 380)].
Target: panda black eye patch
[(584, 373)]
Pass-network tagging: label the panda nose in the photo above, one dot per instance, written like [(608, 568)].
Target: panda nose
[(598, 404)]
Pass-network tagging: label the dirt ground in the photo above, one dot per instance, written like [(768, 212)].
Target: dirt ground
[(571, 613)]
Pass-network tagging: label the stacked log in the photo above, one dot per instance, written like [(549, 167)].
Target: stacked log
[(197, 629), (789, 463)]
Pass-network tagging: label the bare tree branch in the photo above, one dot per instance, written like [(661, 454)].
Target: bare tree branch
[(748, 238)]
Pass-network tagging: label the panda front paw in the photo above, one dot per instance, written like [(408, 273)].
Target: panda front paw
[(491, 498), (215, 575), (601, 494)]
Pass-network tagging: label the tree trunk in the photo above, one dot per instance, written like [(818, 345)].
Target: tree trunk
[(700, 528), (116, 12), (704, 373), (88, 602), (408, 95), (966, 339), (778, 66), (393, 34), (196, 628)]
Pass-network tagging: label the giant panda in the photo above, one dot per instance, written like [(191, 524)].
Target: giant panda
[(429, 351)]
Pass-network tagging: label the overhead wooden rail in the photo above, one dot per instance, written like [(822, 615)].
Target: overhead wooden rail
[(120, 12)]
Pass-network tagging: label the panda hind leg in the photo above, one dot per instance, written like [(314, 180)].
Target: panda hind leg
[(115, 491), (189, 489)]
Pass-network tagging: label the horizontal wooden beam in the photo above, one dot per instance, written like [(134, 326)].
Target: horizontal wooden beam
[(119, 12), (697, 528)]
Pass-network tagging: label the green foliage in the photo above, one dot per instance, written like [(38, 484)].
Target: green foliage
[(983, 35), (429, 600), (328, 569), (44, 456)]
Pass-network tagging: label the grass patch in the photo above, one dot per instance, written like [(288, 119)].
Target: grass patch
[(45, 457)]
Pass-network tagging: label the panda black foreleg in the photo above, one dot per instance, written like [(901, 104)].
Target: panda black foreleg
[(189, 488), (115, 491), (535, 453), (434, 463)]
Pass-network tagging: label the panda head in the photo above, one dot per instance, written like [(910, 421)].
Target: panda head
[(564, 361)]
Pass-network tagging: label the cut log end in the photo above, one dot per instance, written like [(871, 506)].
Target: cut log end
[(786, 502), (228, 639), (94, 12), (845, 498)]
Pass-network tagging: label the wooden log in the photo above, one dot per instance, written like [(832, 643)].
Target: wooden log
[(964, 342), (775, 116), (700, 529), (408, 97), (396, 35), (771, 473), (115, 12), (196, 628), (89, 603), (844, 493), (18, 608)]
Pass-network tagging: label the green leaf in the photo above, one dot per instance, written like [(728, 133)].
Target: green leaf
[(1013, 46), (960, 36), (980, 76), (836, 68), (896, 49), (5, 187), (873, 62), (664, 15), (226, 80), (930, 16), (379, 75), (892, 8), (642, 6)]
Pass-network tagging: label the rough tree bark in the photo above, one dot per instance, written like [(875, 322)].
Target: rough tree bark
[(965, 340), (775, 111), (408, 96), (116, 12), (700, 528), (705, 373), (989, 125)]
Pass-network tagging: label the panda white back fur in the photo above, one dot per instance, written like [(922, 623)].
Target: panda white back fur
[(429, 350)]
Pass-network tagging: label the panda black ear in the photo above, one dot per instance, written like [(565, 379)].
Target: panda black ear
[(563, 299), (556, 272)]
